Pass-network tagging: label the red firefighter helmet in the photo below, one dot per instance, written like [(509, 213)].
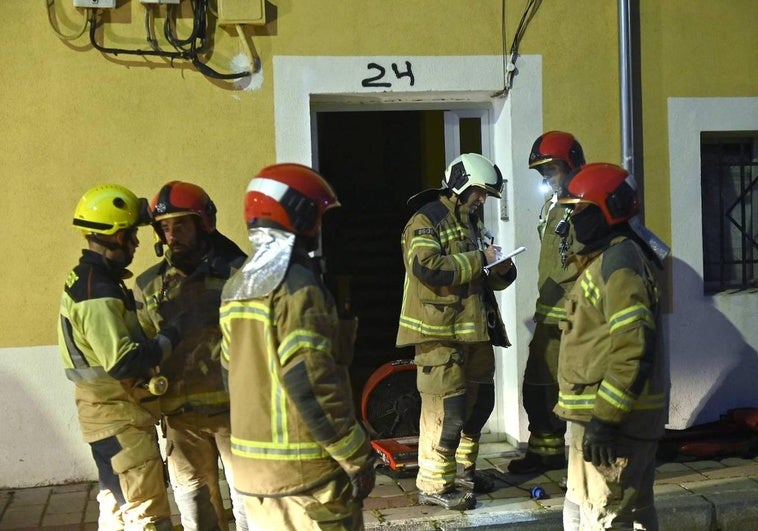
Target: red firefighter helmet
[(556, 145), (608, 186), (288, 196), (178, 198)]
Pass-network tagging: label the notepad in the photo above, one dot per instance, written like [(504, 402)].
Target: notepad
[(505, 257)]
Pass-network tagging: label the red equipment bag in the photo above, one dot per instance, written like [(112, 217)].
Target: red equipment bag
[(735, 434)]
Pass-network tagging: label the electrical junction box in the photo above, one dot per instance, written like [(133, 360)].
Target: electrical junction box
[(160, 1), (96, 4), (241, 12)]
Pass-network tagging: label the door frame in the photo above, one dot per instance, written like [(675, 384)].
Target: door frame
[(303, 85)]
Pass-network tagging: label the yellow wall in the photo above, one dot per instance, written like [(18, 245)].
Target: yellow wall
[(73, 118), (690, 49), (579, 47)]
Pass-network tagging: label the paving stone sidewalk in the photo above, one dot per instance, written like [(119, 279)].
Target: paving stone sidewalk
[(690, 496)]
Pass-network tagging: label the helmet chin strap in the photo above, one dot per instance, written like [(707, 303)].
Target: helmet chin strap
[(112, 246), (116, 262), (461, 201)]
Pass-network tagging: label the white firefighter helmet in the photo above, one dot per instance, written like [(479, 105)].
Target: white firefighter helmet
[(472, 169)]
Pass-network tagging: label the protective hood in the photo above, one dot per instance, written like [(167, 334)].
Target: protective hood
[(264, 270), (423, 197)]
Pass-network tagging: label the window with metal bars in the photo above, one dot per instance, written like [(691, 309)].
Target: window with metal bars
[(729, 184)]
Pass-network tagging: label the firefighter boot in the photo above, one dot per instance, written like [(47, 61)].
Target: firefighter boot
[(533, 463), (452, 499), (477, 483)]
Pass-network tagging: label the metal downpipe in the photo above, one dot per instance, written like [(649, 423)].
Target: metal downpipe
[(625, 77)]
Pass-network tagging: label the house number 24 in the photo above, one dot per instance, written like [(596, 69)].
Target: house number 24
[(376, 80)]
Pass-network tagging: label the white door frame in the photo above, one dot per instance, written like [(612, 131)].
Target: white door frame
[(302, 84)]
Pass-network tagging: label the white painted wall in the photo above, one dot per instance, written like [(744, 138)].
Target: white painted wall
[(40, 440), (517, 122), (712, 340)]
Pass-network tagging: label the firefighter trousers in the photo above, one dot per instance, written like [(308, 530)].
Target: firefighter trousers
[(194, 444), (328, 507), (540, 392), (619, 496), (132, 487), (456, 384)]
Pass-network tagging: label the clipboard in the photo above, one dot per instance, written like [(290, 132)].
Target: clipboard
[(505, 257)]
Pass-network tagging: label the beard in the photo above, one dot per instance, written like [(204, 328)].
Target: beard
[(188, 257), (179, 249), (185, 258)]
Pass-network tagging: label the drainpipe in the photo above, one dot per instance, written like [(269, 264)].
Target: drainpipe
[(630, 92), (628, 135), (625, 76)]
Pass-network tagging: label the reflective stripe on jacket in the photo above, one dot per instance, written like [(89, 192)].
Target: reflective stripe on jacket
[(104, 351), (444, 279), (293, 419), (555, 278), (163, 292), (610, 364)]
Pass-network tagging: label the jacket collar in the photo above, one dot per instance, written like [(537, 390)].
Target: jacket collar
[(453, 204), (107, 267)]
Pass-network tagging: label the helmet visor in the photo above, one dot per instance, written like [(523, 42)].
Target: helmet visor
[(144, 214), (496, 189)]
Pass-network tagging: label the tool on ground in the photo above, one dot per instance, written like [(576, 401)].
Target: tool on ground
[(536, 492), (390, 410)]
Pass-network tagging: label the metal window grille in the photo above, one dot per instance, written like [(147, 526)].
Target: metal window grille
[(729, 184)]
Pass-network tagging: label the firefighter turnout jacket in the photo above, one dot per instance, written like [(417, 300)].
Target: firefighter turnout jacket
[(293, 419), (610, 365), (445, 284), (165, 293), (104, 351), (557, 268)]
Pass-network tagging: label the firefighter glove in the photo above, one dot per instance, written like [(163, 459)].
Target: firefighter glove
[(172, 328), (599, 443), (171, 333), (363, 481)]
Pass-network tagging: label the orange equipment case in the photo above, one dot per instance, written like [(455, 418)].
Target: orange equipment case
[(390, 409)]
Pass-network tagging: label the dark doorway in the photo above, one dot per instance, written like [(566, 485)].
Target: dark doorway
[(375, 161)]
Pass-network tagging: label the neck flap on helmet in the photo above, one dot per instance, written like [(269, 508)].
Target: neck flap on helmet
[(264, 270)]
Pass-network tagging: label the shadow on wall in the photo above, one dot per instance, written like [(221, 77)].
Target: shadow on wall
[(40, 438), (713, 366)]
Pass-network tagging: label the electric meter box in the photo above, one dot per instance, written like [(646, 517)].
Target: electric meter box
[(241, 12), (96, 4)]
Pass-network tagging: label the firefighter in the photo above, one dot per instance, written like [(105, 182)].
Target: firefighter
[(108, 357), (554, 155), (450, 315), (186, 285), (611, 371), (301, 458)]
